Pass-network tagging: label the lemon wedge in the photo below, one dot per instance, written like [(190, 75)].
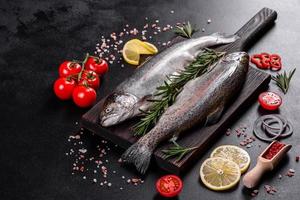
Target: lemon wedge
[(233, 153), (150, 47), (219, 173), (131, 56), (134, 48)]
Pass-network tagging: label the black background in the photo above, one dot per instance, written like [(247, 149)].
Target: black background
[(36, 36)]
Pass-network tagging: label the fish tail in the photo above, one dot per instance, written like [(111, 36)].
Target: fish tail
[(140, 155)]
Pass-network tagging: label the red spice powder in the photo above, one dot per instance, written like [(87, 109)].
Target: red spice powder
[(273, 150)]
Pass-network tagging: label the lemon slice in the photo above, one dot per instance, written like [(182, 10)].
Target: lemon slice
[(134, 48), (233, 153), (131, 55), (150, 47), (219, 173), (144, 47)]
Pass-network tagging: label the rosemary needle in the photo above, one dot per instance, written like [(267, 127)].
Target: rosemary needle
[(177, 151), (185, 30), (283, 80), (166, 94)]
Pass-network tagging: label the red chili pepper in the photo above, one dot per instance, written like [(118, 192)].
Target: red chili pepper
[(275, 57), (275, 62), (257, 60), (265, 60)]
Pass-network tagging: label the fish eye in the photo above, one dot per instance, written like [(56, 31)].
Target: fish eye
[(108, 110)]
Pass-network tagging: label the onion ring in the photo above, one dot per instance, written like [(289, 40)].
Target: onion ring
[(282, 135), (258, 131), (266, 123)]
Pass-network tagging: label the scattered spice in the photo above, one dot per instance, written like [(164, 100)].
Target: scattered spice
[(270, 189), (254, 193), (89, 163), (290, 173), (240, 132), (110, 48), (228, 132)]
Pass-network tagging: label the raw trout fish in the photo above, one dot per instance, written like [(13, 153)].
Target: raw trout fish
[(132, 94), (202, 99)]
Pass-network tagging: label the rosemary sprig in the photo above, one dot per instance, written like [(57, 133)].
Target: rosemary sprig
[(167, 93), (283, 80), (177, 151), (185, 30)]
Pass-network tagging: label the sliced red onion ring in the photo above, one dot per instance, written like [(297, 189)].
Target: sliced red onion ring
[(282, 135), (267, 123), (257, 130)]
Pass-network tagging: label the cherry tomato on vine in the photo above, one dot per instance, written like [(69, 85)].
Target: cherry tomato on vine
[(90, 78), (63, 88), (68, 68), (97, 65), (169, 185), (84, 96), (269, 100)]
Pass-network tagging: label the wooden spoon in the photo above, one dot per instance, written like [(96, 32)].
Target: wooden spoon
[(252, 178)]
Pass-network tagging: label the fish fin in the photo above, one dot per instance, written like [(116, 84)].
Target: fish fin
[(139, 155), (142, 105), (215, 116)]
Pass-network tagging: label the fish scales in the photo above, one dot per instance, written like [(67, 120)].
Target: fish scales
[(131, 95), (202, 99)]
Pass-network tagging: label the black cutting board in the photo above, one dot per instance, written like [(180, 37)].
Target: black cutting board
[(201, 137)]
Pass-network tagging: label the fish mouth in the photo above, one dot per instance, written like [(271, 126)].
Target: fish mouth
[(109, 121)]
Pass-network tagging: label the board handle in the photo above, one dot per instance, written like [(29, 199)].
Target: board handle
[(255, 26)]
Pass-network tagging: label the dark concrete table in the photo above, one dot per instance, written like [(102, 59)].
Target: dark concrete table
[(36, 36)]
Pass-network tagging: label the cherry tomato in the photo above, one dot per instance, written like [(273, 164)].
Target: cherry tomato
[(68, 68), (269, 100), (63, 88), (169, 185), (90, 78), (97, 65), (84, 96)]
